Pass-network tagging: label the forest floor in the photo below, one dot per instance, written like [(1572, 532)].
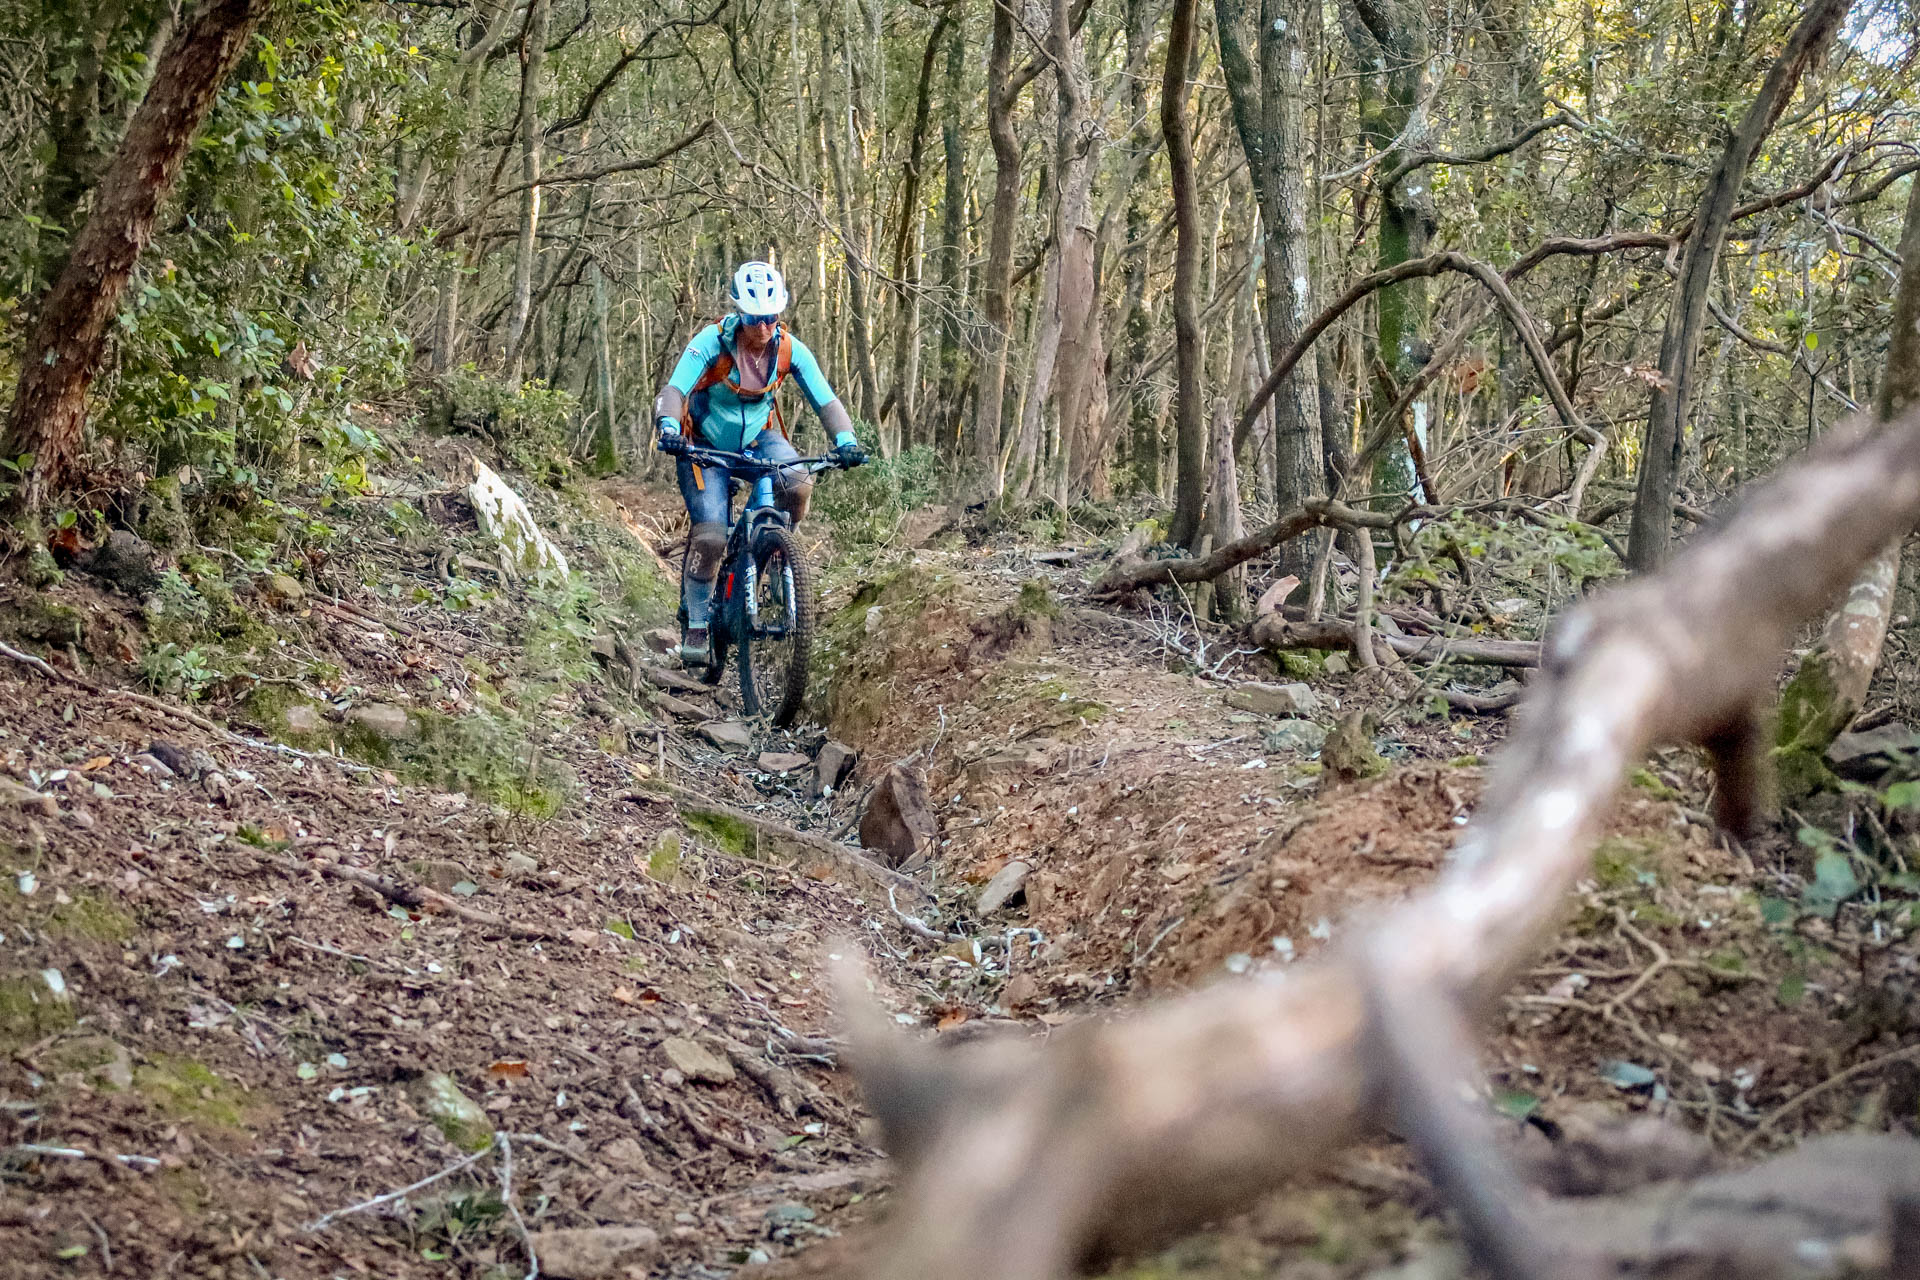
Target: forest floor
[(460, 868)]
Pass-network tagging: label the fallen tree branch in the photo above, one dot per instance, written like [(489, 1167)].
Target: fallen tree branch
[(420, 896), (1022, 1162), (1275, 631)]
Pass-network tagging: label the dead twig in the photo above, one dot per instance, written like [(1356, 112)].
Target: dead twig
[(1801, 1099), (422, 897), (326, 1220)]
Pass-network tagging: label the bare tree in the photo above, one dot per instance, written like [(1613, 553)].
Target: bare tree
[(533, 53), (1680, 341), (997, 281), (70, 338), (1025, 1161), (1830, 685), (1190, 441), (1267, 116)]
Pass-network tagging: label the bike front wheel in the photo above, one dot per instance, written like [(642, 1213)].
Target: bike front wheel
[(776, 641)]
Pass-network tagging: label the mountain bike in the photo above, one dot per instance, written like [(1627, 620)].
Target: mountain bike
[(763, 601)]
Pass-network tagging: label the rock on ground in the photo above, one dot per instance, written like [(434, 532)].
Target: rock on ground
[(386, 722), (504, 517), (1294, 699), (831, 767), (898, 823), (591, 1253), (728, 735), (1007, 884), (697, 1062)]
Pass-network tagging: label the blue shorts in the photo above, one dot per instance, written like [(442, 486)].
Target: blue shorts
[(704, 488)]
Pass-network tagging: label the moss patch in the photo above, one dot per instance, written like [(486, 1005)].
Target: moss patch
[(91, 916), (189, 1090), (1644, 779), (88, 916), (1301, 664), (1812, 715), (663, 863), (722, 831), (29, 1011), (1036, 600), (40, 620), (1622, 863), (485, 755)]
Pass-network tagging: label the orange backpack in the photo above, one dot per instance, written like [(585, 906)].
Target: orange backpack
[(723, 370)]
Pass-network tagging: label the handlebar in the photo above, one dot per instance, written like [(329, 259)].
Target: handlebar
[(746, 465)]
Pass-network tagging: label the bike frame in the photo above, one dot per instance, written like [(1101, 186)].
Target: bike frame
[(736, 611)]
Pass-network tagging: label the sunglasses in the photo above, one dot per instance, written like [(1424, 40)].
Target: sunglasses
[(759, 322)]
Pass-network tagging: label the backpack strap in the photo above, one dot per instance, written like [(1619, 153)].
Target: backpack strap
[(722, 369)]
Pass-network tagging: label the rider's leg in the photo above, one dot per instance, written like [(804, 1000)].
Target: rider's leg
[(705, 492), (793, 487)]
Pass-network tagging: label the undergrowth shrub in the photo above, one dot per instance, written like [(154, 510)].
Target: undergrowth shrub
[(865, 503), (526, 424)]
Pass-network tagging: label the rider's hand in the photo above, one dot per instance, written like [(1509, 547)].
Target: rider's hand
[(849, 453), (672, 440)]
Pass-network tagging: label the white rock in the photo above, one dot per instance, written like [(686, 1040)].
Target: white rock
[(504, 517)]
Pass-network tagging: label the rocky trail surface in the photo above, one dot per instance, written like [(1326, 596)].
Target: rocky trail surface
[(445, 938)]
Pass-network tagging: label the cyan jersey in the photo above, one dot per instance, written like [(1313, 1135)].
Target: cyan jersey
[(727, 421)]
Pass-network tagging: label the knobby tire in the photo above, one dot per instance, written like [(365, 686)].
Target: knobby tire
[(773, 677)]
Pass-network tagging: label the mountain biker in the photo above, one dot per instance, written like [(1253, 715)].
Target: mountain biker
[(721, 395)]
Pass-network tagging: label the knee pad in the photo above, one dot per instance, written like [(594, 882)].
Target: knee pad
[(793, 498), (705, 546)]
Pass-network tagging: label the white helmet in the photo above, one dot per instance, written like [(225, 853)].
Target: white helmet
[(758, 290)]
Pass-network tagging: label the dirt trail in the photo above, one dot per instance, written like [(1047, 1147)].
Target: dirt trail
[(219, 1030)]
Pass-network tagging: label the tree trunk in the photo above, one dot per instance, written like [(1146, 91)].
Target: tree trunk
[(1652, 528), (953, 212), (1830, 687), (1044, 324), (533, 59), (70, 337), (71, 125), (867, 378), (997, 283), (1223, 523), (1081, 362), (1267, 116), (1190, 444), (1391, 37), (906, 259), (606, 436)]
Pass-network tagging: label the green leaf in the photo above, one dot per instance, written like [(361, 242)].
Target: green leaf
[(466, 888), (1775, 911), (1517, 1104), (1902, 795), (306, 1071), (621, 927), (1813, 341), (1793, 989), (71, 1252), (1833, 883)]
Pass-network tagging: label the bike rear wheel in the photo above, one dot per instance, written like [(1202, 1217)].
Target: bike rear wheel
[(776, 639)]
